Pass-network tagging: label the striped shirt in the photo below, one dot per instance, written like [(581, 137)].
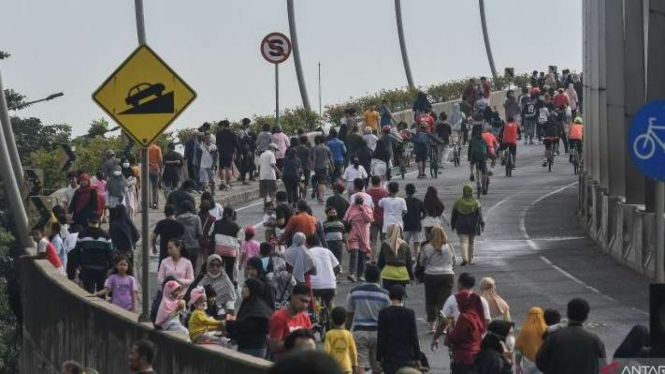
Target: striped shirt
[(365, 302), (334, 230)]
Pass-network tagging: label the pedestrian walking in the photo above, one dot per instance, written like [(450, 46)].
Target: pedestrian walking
[(291, 175), (166, 229), (290, 318), (207, 164), (376, 193), (173, 162), (245, 154), (338, 150), (250, 327), (394, 208), (299, 262), (395, 259), (193, 232), (227, 242), (499, 308), (92, 256), (178, 197), (495, 356), (529, 341), (155, 162), (206, 241), (282, 141), (397, 336), (116, 188), (322, 163), (359, 217), (353, 172), (122, 286), (226, 142), (334, 231), (434, 209), (467, 220), (268, 173), (415, 213), (337, 200), (437, 260), (124, 236), (339, 342)]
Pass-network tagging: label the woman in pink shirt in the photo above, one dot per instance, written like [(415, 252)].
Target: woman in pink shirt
[(176, 265), (249, 248), (359, 216), (283, 142)]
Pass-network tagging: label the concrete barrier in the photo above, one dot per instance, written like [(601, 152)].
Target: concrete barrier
[(497, 99), (62, 322)]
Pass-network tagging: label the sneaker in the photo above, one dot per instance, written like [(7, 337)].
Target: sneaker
[(352, 278), (361, 279), (490, 173), (544, 164), (432, 327), (471, 178), (463, 263)]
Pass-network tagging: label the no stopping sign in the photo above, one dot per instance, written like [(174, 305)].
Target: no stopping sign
[(276, 48)]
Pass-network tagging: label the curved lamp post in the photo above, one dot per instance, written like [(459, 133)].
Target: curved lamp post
[(296, 54), (488, 48), (402, 43)]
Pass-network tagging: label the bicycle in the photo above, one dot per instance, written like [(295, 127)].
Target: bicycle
[(575, 160), (509, 162), (320, 318), (433, 161), (482, 181), (644, 145)]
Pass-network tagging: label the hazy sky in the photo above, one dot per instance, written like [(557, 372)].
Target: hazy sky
[(74, 45)]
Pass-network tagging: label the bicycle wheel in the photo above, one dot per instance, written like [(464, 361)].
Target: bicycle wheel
[(576, 162), (550, 161), (509, 166)]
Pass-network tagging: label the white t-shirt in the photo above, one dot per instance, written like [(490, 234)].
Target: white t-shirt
[(350, 174), (393, 210), (450, 309), (325, 263), (266, 161)]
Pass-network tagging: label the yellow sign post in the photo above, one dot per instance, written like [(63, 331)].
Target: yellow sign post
[(144, 95)]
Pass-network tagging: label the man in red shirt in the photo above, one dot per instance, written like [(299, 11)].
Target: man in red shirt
[(509, 136), (377, 193), (302, 222), (560, 100), (290, 318)]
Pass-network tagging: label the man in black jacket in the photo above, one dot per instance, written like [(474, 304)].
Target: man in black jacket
[(93, 256), (572, 350)]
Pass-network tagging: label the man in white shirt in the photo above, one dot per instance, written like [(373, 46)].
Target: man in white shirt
[(268, 173), (70, 190), (394, 207), (324, 283)]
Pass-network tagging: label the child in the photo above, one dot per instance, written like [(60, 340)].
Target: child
[(340, 344), (45, 249), (122, 286), (59, 245), (213, 309), (553, 321), (200, 323), (168, 315), (265, 250), (269, 219), (334, 230), (249, 248)]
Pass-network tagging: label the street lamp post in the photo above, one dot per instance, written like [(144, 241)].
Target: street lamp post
[(24, 105), (296, 54), (402, 43), (486, 37)]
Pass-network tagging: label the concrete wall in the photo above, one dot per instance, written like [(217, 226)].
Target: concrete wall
[(62, 322)]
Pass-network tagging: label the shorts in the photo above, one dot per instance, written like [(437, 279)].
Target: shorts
[(327, 295), (225, 160), (413, 236), (366, 349), (482, 164), (421, 156), (512, 147), (550, 142), (267, 188), (321, 176)]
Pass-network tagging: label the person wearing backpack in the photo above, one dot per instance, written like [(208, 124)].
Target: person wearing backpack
[(421, 147)]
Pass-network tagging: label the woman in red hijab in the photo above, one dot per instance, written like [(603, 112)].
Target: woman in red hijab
[(467, 334), (84, 202)]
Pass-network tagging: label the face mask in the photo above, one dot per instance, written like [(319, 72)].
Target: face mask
[(117, 173), (125, 165), (510, 343)]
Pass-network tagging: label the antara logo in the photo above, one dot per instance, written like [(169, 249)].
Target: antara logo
[(616, 368)]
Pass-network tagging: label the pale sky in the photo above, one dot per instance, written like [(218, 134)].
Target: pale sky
[(74, 45)]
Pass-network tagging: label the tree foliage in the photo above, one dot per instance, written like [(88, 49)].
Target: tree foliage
[(31, 135)]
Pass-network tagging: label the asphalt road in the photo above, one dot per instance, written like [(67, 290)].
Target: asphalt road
[(532, 246)]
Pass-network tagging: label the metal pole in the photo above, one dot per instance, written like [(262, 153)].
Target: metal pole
[(660, 233), (296, 54), (145, 194), (320, 112), (11, 177), (276, 94), (486, 37), (13, 155), (402, 43)]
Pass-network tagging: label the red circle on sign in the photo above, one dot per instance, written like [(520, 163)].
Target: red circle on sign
[(271, 43)]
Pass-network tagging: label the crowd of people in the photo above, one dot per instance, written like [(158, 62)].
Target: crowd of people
[(221, 284)]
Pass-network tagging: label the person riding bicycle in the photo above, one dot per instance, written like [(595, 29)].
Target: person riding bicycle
[(575, 136), (551, 133), (561, 116), (477, 155), (492, 146), (510, 134), (421, 144)]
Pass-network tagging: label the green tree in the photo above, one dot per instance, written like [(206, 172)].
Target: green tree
[(90, 152), (98, 127), (31, 135), (48, 161)]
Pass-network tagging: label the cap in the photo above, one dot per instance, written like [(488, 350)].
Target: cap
[(197, 293), (273, 146), (250, 230)]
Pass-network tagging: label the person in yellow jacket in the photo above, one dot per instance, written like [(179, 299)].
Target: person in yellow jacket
[(339, 342), (201, 326)]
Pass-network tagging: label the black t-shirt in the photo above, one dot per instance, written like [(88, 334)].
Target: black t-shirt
[(414, 213), (168, 229), (225, 227), (283, 210), (227, 141), (172, 171), (443, 131)]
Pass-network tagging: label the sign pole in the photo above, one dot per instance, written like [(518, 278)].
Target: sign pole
[(660, 233), (276, 94), (145, 194)]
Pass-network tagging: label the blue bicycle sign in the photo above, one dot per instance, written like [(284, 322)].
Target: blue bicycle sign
[(646, 140)]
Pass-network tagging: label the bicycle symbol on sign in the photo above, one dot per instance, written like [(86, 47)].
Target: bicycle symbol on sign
[(645, 144)]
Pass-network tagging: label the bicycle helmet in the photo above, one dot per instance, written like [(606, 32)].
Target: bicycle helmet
[(578, 120)]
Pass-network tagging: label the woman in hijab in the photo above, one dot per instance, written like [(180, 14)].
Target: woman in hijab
[(168, 315), (132, 188), (433, 209), (572, 99), (395, 259), (529, 341), (499, 308), (359, 216), (467, 219), (465, 337), (438, 260), (256, 271), (215, 276), (116, 188), (495, 356), (250, 327), (636, 344), (122, 231), (370, 138), (298, 260), (84, 202)]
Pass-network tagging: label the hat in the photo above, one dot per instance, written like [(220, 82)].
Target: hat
[(197, 293), (578, 120), (386, 128), (273, 146), (250, 230)]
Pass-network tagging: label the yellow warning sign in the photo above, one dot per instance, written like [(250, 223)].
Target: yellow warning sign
[(144, 95)]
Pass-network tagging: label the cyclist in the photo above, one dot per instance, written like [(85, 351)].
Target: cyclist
[(429, 118), (477, 155), (575, 136), (551, 132), (543, 116), (421, 144), (492, 146), (509, 136)]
